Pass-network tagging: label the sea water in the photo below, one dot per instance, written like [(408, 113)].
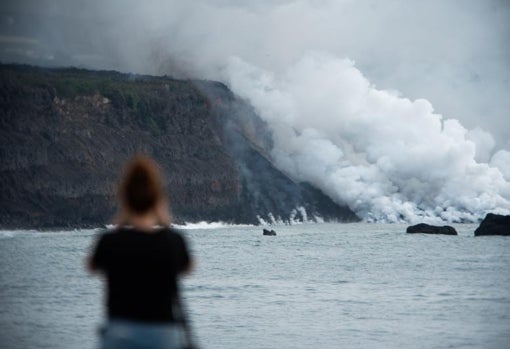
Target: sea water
[(311, 286)]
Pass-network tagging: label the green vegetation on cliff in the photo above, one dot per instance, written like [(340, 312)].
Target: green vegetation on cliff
[(145, 97)]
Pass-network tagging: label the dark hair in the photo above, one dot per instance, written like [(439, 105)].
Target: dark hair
[(141, 188)]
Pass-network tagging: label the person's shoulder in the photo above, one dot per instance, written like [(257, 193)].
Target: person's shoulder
[(172, 232), (109, 234)]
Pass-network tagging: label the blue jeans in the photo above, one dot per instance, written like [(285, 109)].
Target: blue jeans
[(124, 334)]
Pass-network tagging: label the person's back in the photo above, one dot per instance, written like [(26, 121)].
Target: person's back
[(141, 263)]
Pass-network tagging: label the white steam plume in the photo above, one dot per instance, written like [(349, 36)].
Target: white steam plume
[(389, 158)]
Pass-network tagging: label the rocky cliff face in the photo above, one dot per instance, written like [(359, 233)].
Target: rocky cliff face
[(65, 135)]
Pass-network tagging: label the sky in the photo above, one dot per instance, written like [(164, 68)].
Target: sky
[(398, 108)]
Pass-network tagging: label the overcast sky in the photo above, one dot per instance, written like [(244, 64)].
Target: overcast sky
[(454, 53)]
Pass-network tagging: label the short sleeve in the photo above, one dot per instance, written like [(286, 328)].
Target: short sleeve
[(185, 259), (99, 254)]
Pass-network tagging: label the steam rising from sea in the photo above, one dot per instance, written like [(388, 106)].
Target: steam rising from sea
[(389, 156)]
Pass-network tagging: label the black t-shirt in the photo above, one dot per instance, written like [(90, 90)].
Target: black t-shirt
[(141, 270)]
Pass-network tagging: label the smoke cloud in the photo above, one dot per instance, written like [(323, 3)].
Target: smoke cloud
[(398, 108), (391, 159)]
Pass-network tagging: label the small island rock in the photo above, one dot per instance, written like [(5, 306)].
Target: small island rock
[(268, 232), (423, 228), (494, 224)]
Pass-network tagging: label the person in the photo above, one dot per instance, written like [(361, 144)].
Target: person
[(142, 259)]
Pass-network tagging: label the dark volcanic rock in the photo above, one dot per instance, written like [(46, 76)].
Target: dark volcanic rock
[(268, 232), (423, 228), (65, 135), (494, 224)]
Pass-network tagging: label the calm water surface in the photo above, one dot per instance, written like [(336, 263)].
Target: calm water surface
[(312, 286)]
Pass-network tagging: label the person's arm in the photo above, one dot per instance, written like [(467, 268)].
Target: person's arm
[(96, 260), (163, 215), (187, 263), (189, 267), (90, 266)]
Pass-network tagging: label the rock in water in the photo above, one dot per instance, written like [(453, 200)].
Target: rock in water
[(494, 224), (268, 232), (423, 228)]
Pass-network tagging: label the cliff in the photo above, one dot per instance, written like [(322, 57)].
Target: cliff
[(66, 133)]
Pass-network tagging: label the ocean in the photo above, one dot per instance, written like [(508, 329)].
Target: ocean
[(311, 286)]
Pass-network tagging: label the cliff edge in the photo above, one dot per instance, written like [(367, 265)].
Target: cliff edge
[(66, 133)]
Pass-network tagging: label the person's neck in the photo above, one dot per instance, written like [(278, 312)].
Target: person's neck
[(145, 223)]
